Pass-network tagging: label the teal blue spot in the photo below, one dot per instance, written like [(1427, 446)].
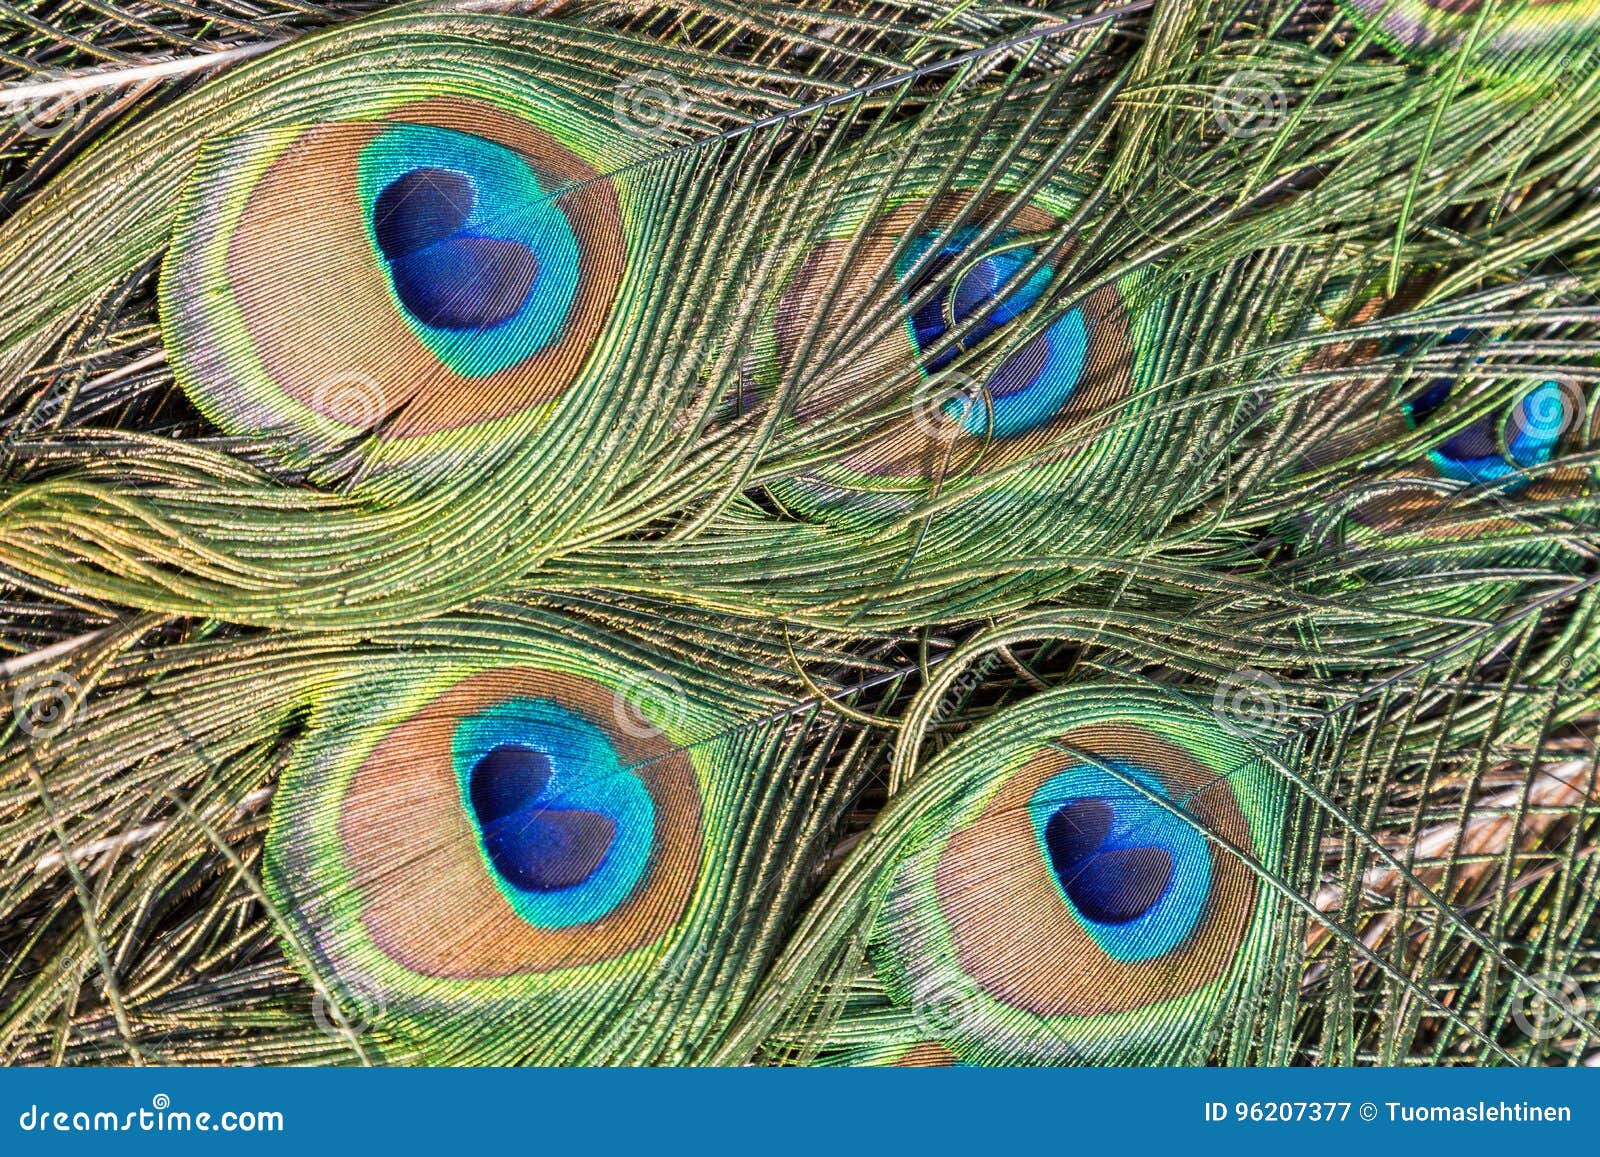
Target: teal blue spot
[(510, 204), (1473, 454), (585, 775)]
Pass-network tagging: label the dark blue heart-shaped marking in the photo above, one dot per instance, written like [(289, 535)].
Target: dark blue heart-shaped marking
[(444, 276), (420, 208), (534, 848), (1109, 885)]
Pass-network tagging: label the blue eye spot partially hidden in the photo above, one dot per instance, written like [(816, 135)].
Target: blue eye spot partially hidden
[(1532, 427), (565, 829), (482, 262), (1034, 384), (1133, 874), (989, 285)]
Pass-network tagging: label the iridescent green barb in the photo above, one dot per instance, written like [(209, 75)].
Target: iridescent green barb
[(784, 534)]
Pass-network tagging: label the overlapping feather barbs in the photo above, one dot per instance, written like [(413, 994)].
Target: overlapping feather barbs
[(801, 533)]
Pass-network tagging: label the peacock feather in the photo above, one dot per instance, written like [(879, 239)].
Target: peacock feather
[(1097, 895), (475, 285), (582, 831), (608, 533)]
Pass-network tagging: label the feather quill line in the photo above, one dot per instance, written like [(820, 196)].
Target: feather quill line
[(79, 83), (20, 663)]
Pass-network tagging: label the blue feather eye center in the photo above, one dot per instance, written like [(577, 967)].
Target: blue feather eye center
[(1109, 885), (1520, 436), (1134, 875), (565, 828), (1517, 437), (534, 847), (991, 286), (482, 261), (447, 278), (1531, 427), (1036, 382)]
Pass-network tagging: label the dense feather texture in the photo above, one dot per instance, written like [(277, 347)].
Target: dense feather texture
[(614, 522)]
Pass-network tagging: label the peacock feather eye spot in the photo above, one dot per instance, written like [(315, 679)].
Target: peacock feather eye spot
[(1034, 384), (483, 263), (460, 261), (468, 283), (445, 276), (497, 825), (1531, 427), (563, 824), (982, 372), (1075, 832), (1092, 897), (1108, 885), (1131, 873), (1120, 885), (1134, 875), (533, 846), (549, 851)]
